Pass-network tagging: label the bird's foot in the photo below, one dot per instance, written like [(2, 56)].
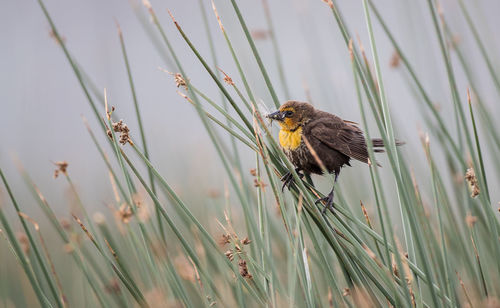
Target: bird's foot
[(288, 179), (327, 202)]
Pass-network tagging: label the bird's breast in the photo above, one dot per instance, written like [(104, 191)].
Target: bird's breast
[(290, 140)]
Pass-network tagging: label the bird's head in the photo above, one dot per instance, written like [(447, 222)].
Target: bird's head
[(293, 114)]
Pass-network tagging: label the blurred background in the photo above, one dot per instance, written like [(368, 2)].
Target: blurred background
[(42, 105), (42, 102)]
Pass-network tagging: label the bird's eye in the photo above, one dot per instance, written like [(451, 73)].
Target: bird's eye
[(288, 113)]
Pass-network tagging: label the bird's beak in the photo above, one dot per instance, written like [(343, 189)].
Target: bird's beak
[(278, 115)]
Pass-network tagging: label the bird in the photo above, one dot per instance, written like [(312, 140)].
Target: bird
[(316, 141)]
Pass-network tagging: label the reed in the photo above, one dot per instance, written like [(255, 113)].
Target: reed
[(432, 243)]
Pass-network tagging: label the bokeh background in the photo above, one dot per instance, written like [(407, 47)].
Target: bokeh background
[(42, 102)]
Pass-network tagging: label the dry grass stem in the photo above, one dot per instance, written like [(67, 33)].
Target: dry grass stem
[(89, 235), (329, 3), (217, 16)]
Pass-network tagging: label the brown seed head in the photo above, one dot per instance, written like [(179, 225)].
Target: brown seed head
[(246, 241), (62, 167), (229, 254), (259, 183), (68, 248), (138, 200), (113, 287), (395, 270), (470, 177), (242, 265), (23, 240), (224, 239), (260, 34), (122, 128), (227, 79), (395, 59), (346, 292), (330, 297), (184, 268), (159, 249), (65, 224), (214, 193), (351, 51), (180, 81), (124, 213), (156, 295), (455, 41), (99, 218), (470, 220)]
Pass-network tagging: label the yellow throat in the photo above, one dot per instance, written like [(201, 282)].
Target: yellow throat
[(290, 140)]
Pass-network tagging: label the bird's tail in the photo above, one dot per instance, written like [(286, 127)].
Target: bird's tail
[(379, 143)]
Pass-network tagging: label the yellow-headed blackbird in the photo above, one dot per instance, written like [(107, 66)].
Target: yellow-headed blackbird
[(334, 141)]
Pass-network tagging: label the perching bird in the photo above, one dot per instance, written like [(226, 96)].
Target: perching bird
[(334, 142)]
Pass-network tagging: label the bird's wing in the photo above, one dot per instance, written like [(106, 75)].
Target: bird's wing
[(335, 133)]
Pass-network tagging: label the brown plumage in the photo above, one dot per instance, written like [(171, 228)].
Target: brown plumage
[(334, 141)]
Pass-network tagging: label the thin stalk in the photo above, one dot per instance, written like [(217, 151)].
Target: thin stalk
[(373, 169), (64, 236), (480, 44), (251, 224), (444, 249), (38, 256), (451, 76), (234, 56), (131, 287), (419, 85), (177, 200), (62, 297), (263, 227), (215, 63), (42, 298), (105, 158), (392, 147), (474, 240), (256, 54), (276, 49), (170, 222), (76, 70), (139, 122), (145, 237), (229, 118), (478, 148)]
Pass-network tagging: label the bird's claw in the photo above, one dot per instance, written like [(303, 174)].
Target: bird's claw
[(288, 179), (328, 202)]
